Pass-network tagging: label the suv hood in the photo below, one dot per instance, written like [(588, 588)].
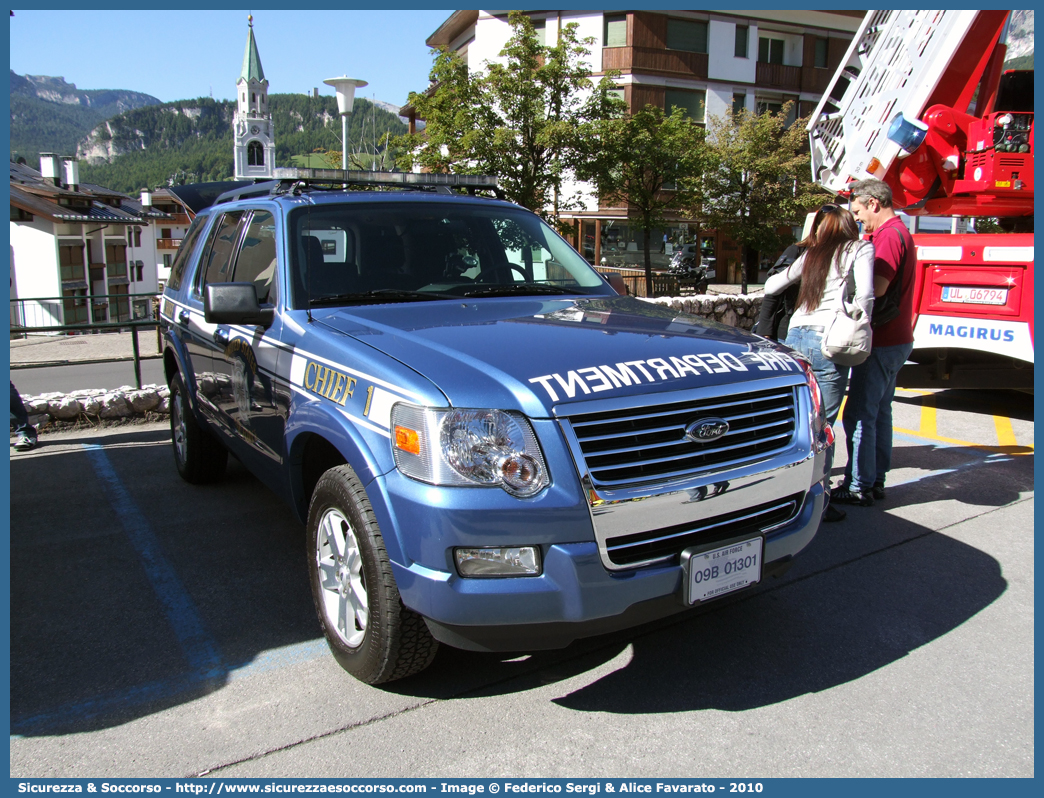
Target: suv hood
[(531, 354)]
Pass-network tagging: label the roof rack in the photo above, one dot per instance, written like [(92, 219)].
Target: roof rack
[(294, 179)]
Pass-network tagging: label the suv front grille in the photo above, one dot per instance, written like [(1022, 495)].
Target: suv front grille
[(659, 544), (635, 446)]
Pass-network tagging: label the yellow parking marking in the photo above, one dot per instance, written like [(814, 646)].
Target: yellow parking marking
[(929, 417), (1005, 432), (1006, 443)]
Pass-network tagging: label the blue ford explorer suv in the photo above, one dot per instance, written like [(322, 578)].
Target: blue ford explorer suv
[(491, 448)]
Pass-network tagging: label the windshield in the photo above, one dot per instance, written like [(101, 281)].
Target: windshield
[(355, 253)]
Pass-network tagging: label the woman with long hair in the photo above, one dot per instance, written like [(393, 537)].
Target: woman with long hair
[(832, 250), (834, 260)]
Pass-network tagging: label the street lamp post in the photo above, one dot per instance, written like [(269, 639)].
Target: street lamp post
[(345, 88)]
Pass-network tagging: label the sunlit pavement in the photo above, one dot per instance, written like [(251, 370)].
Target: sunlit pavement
[(161, 629)]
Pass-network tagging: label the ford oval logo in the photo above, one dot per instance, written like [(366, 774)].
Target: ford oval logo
[(706, 429)]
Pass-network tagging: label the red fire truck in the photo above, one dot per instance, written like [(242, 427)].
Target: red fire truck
[(921, 101)]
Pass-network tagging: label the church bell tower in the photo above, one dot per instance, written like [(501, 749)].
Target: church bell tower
[(253, 127)]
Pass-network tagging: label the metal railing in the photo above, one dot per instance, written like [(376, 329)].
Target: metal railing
[(131, 312)]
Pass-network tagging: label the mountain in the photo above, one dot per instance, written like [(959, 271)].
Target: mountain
[(1020, 34), (50, 115), (191, 141)]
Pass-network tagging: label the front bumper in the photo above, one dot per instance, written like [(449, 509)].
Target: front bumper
[(575, 596), (592, 581)]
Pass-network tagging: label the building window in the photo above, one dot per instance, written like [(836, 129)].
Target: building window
[(739, 103), (70, 259), (770, 51), (253, 98), (683, 34), (137, 236), (693, 102), (766, 106), (255, 154), (75, 306), (615, 31), (742, 37), (116, 260), (540, 26), (165, 232), (821, 54)]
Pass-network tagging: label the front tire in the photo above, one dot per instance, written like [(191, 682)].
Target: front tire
[(370, 631), (199, 456)]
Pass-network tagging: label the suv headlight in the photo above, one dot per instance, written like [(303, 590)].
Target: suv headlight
[(468, 447)]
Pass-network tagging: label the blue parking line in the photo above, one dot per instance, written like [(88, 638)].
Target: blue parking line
[(978, 458), (200, 650), (165, 689)]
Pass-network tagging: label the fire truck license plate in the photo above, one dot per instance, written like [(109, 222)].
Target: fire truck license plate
[(718, 571), (974, 296)]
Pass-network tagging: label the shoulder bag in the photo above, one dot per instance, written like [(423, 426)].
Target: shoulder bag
[(847, 336)]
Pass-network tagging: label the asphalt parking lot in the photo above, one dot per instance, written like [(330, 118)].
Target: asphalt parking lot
[(161, 629)]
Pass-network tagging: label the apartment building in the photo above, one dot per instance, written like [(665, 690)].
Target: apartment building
[(707, 62), (77, 249)]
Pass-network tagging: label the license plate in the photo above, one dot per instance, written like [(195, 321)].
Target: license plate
[(715, 572), (974, 296)]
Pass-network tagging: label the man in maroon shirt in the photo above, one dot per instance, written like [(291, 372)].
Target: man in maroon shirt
[(867, 417)]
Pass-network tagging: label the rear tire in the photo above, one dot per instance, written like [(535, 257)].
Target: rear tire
[(199, 456), (370, 631)]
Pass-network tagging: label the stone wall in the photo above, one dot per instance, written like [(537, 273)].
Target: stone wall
[(736, 310), (97, 406)]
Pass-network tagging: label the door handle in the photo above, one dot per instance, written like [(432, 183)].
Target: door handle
[(183, 318), (221, 336)]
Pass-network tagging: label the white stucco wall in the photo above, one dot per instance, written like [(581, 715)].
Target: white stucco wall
[(719, 100), (722, 63), (34, 268), (491, 34), (35, 255)]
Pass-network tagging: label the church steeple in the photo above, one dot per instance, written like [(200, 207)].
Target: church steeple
[(254, 131), (251, 58)]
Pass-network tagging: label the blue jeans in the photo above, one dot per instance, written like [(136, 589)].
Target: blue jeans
[(19, 418), (831, 377), (868, 417)]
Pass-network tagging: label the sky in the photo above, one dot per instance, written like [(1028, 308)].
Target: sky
[(184, 54)]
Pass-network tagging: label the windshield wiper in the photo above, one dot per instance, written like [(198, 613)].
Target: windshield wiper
[(381, 296), (518, 289)]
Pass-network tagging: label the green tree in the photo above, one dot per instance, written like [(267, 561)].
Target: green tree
[(650, 162), (517, 120), (759, 180)]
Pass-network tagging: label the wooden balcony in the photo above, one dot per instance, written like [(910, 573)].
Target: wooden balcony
[(815, 79), (181, 219), (778, 76), (168, 243), (655, 59)]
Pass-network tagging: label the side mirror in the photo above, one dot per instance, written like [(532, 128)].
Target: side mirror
[(616, 282), (235, 303)]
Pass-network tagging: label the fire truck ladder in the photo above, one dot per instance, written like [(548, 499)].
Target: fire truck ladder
[(893, 64)]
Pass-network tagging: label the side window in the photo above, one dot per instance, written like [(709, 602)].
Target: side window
[(256, 262), (177, 269), (217, 264)]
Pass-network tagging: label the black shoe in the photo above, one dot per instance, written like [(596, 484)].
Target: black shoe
[(878, 492), (843, 495), (833, 513)]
